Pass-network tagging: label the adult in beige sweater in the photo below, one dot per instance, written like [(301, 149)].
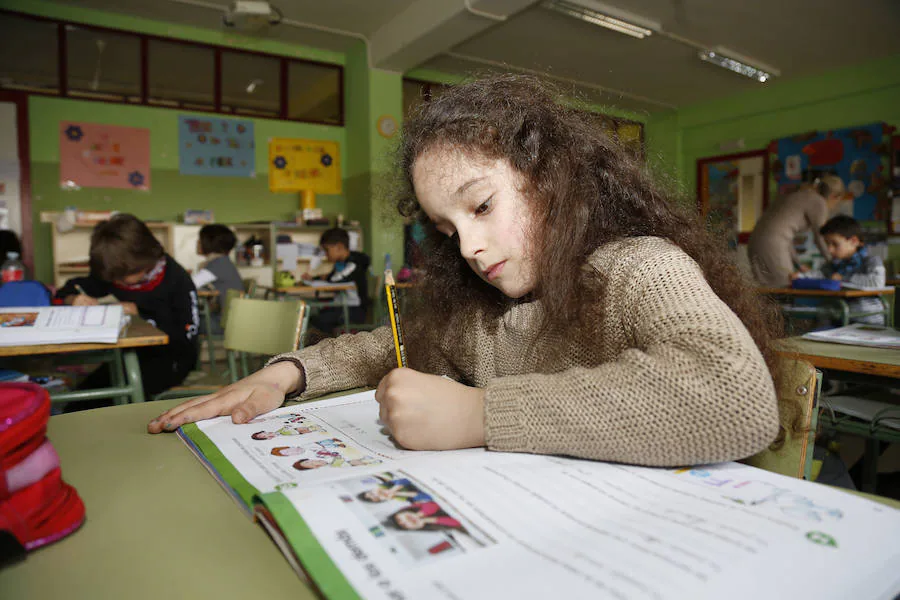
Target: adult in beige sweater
[(771, 248), (626, 352)]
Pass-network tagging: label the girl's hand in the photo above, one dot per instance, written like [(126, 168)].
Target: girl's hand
[(427, 412), (837, 277), (244, 400)]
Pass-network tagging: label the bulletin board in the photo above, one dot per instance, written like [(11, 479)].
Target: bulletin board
[(857, 155), (216, 147), (297, 164), (103, 156)]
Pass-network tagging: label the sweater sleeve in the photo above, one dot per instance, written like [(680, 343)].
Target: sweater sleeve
[(691, 386), (344, 362), (92, 286), (872, 274), (816, 215)]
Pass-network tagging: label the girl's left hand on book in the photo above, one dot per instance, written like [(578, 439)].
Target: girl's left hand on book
[(244, 400), (428, 412)]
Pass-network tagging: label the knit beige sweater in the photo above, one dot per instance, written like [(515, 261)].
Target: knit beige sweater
[(673, 379)]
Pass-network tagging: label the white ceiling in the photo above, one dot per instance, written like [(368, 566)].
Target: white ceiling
[(798, 37)]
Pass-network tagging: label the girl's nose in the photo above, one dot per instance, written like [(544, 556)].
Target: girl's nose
[(470, 243)]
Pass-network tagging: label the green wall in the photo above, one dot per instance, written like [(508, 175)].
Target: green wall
[(233, 199), (845, 97)]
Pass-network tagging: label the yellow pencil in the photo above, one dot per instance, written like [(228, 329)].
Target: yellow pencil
[(394, 312)]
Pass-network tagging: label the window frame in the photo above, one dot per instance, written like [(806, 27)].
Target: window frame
[(144, 41)]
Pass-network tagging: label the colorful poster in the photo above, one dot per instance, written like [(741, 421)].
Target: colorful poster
[(855, 154), (103, 156), (217, 147), (296, 165)]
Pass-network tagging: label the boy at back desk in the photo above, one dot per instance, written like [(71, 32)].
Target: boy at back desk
[(128, 262), (851, 262), (349, 267)]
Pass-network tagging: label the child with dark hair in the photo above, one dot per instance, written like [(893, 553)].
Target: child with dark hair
[(215, 243), (851, 262), (128, 262), (568, 303), (350, 266)]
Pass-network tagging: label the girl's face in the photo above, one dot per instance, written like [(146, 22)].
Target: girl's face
[(291, 451), (477, 202)]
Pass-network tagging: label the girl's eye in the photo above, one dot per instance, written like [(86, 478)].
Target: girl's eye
[(484, 206)]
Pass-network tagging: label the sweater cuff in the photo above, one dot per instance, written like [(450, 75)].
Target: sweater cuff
[(312, 366), (504, 418)]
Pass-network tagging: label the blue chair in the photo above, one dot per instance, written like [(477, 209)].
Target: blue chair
[(24, 293)]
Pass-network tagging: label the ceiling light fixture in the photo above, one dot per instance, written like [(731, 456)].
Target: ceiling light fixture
[(604, 16), (742, 65)]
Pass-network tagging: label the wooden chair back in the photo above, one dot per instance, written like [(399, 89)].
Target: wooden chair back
[(800, 383)]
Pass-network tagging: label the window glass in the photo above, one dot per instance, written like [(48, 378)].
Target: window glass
[(314, 93), (251, 84), (103, 65), (181, 75), (28, 54)]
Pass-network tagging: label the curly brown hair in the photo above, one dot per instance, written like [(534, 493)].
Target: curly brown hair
[(584, 191)]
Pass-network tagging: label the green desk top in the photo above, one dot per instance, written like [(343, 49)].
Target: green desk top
[(845, 357), (158, 524)]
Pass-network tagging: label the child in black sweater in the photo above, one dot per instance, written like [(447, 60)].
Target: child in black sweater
[(128, 262)]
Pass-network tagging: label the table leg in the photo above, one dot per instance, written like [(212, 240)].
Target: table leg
[(118, 376), (346, 308), (133, 373), (210, 347), (845, 311)]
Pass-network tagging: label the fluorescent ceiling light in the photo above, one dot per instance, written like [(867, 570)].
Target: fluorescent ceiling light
[(590, 15), (733, 61)]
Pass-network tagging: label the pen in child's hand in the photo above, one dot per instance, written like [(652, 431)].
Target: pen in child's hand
[(80, 290)]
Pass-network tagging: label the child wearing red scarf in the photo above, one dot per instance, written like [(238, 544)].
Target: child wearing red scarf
[(128, 262)]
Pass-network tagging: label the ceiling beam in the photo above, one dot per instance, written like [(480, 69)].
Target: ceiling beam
[(428, 28)]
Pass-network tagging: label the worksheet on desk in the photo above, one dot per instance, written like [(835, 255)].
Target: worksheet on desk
[(60, 324), (522, 526), (476, 524)]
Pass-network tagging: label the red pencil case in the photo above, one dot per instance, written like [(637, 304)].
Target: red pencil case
[(36, 506)]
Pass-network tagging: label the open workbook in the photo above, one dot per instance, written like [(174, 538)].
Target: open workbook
[(364, 518), (31, 326), (858, 334)]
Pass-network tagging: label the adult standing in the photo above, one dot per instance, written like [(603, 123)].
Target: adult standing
[(771, 249)]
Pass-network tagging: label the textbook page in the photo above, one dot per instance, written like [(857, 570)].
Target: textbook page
[(26, 326), (497, 525), (858, 334), (368, 518), (301, 444)]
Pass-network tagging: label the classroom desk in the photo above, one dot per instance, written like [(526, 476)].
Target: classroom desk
[(863, 360), (840, 297), (126, 369), (306, 291), (158, 525)]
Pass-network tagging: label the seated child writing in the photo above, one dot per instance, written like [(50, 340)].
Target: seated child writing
[(128, 262), (571, 302), (350, 266), (215, 242), (851, 262)]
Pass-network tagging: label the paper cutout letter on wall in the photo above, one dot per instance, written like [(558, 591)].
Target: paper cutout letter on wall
[(103, 156), (217, 147)]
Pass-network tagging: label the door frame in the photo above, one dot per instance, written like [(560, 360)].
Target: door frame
[(20, 99)]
